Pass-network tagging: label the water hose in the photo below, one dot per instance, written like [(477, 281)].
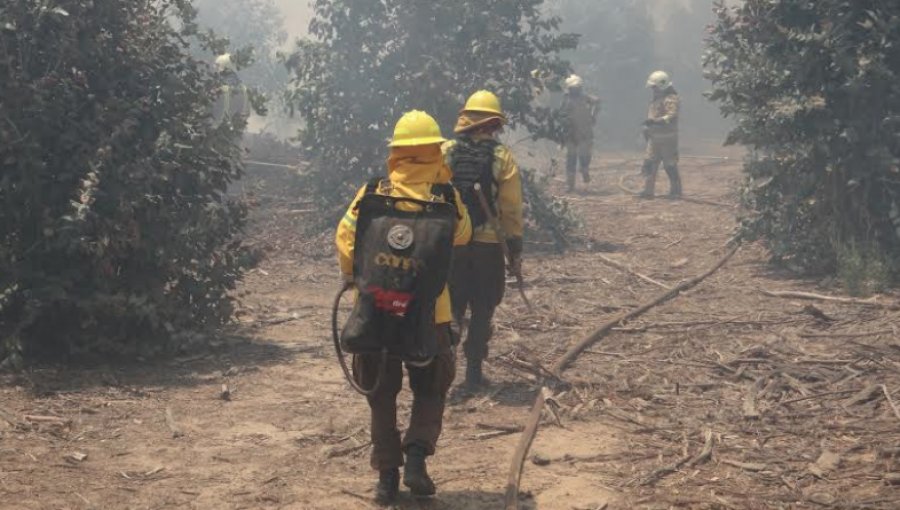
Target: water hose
[(382, 367)]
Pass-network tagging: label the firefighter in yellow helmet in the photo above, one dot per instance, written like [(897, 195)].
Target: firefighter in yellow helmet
[(479, 270), (233, 101), (415, 170), (661, 132)]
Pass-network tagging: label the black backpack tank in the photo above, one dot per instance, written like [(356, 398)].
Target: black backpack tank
[(401, 264), (473, 162)]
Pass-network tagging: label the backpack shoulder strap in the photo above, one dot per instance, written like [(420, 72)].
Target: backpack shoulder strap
[(373, 185), (448, 193), (371, 189), (445, 191)]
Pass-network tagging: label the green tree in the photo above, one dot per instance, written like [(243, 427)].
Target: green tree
[(370, 61), (814, 88), (249, 24), (116, 232)]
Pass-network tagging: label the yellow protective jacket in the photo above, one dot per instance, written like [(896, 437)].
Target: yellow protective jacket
[(507, 195), (580, 113), (664, 110), (412, 172)]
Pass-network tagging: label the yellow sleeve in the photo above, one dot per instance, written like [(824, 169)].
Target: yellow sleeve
[(464, 226), (346, 236), (509, 194)]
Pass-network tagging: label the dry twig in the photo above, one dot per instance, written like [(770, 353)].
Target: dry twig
[(887, 395), (9, 418), (848, 335), (747, 466), (632, 272)]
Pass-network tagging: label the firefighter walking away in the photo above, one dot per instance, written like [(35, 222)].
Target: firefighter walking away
[(483, 166), (395, 244)]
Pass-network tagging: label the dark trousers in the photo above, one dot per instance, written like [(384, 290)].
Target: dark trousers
[(477, 283), (579, 154), (429, 385)]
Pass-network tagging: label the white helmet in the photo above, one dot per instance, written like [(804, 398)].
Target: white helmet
[(224, 63), (659, 80), (574, 82)]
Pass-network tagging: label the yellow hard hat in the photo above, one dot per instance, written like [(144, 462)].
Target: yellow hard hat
[(416, 128), (486, 102)]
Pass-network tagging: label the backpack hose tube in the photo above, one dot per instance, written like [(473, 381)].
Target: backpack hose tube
[(335, 333)]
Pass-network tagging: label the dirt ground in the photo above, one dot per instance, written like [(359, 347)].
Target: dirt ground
[(725, 398)]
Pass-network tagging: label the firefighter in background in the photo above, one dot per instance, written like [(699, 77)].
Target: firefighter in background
[(415, 169), (233, 101), (661, 132), (579, 110), (478, 280)]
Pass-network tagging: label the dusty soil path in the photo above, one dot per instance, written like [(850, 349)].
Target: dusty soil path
[(786, 393)]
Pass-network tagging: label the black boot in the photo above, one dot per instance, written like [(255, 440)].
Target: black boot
[(415, 473), (570, 182), (649, 172), (674, 181), (388, 486), (474, 376)]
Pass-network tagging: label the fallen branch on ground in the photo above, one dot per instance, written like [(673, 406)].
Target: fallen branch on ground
[(831, 299), (632, 272), (518, 462), (513, 429), (521, 453), (496, 431), (747, 466), (848, 335), (46, 419)]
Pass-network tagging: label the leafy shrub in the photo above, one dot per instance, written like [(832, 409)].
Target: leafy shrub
[(117, 236), (546, 215), (862, 271), (814, 88)]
